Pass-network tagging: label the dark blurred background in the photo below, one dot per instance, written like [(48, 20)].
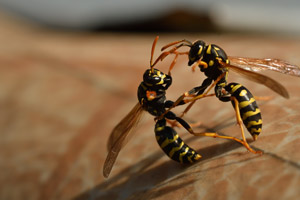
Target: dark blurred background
[(274, 16)]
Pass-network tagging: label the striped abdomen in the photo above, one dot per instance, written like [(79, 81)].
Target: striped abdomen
[(249, 110), (172, 144)]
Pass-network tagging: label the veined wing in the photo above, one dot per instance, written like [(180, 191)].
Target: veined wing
[(256, 64), (119, 135), (259, 78)]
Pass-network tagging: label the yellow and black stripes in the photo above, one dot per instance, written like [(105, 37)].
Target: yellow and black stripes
[(249, 111), (172, 144)]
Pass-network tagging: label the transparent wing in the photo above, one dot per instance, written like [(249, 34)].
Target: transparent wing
[(259, 78), (119, 135), (256, 64)]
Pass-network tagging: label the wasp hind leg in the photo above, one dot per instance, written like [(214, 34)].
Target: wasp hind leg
[(240, 123), (172, 116), (246, 110)]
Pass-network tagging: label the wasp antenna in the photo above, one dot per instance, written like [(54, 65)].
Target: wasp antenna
[(152, 51), (188, 43), (184, 43)]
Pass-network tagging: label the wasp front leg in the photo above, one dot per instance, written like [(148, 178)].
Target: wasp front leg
[(163, 55), (200, 90), (170, 105)]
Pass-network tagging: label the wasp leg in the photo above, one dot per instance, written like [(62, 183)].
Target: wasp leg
[(199, 90), (199, 63), (180, 101), (199, 96), (173, 64), (240, 123), (183, 42), (166, 53), (176, 124), (215, 135), (172, 116), (191, 93), (173, 123), (194, 68), (193, 102), (196, 91), (169, 104), (200, 93), (263, 98)]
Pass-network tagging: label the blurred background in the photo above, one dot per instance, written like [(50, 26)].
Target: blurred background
[(69, 71), (273, 16)]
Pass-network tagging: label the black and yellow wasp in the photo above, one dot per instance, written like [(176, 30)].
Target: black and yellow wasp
[(215, 64), (152, 98)]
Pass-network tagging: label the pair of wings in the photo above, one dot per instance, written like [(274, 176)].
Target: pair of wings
[(247, 67)]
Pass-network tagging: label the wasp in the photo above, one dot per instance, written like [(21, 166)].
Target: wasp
[(151, 95), (215, 64)]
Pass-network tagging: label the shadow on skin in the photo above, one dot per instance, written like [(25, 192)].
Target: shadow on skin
[(139, 175)]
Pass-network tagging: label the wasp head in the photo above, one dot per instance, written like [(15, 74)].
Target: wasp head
[(154, 77), (196, 52)]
